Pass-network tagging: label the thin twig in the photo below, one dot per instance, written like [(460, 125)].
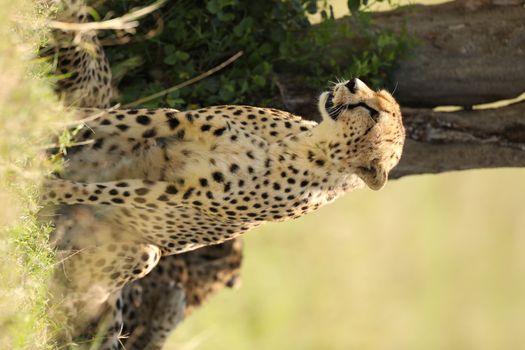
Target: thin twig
[(187, 82), (125, 22), (75, 144)]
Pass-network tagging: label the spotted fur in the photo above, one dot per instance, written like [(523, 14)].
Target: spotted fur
[(186, 180)]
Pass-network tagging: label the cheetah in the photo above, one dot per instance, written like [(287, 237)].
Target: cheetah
[(86, 75), (177, 181), (178, 284), (173, 289)]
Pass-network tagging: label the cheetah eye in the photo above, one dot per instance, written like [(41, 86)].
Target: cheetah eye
[(374, 113)]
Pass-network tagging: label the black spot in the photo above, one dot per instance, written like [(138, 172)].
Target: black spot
[(218, 176), (117, 200), (163, 198), (143, 119), (149, 133), (233, 168), (188, 193), (206, 127), (91, 198), (219, 132), (319, 162), (105, 122), (173, 123), (86, 134), (276, 186), (122, 127), (98, 143), (141, 191), (203, 182), (119, 184), (113, 192), (170, 189), (180, 134)]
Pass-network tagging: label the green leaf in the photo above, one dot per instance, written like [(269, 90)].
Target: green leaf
[(170, 60), (182, 56), (213, 7), (259, 80)]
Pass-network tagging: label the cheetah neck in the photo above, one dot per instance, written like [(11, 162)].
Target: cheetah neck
[(314, 152)]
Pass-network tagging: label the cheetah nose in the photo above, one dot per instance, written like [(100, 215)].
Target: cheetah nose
[(352, 85)]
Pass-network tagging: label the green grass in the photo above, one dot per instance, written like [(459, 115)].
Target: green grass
[(28, 113), (430, 262)]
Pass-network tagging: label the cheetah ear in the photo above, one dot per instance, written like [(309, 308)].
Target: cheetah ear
[(375, 176)]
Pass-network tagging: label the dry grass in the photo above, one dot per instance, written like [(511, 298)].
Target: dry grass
[(28, 109)]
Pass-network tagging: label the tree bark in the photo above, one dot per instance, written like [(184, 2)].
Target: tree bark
[(438, 142), (468, 52)]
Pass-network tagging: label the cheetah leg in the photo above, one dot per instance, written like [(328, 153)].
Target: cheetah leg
[(91, 279), (103, 270), (140, 194), (110, 324), (157, 319)]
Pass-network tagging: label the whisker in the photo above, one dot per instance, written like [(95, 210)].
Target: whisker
[(395, 88)]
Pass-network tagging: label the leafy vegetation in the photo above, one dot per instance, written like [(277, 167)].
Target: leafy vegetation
[(276, 36)]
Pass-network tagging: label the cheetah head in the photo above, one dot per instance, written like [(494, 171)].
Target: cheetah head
[(369, 129)]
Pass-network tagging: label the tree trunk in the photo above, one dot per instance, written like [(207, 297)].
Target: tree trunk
[(438, 142), (468, 52)]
